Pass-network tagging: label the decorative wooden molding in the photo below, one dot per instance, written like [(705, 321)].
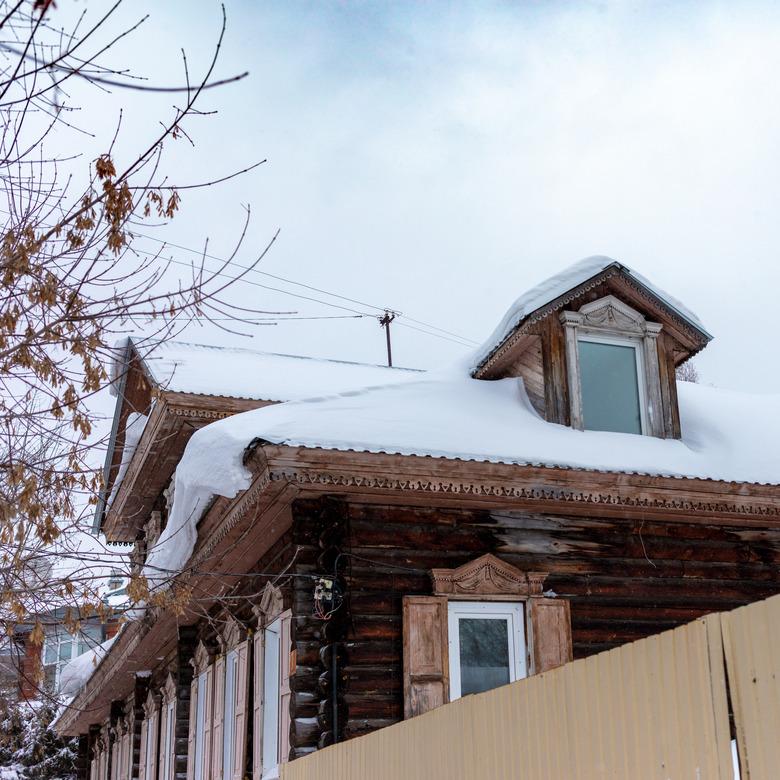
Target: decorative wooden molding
[(168, 690), (271, 605), (231, 634), (151, 705), (611, 314), (243, 504), (503, 489), (201, 659), (487, 576)]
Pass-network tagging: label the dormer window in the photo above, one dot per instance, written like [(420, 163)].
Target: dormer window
[(612, 384), (612, 362)]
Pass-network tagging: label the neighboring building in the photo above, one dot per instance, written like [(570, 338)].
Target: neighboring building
[(368, 554)]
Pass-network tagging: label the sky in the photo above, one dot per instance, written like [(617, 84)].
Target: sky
[(439, 158)]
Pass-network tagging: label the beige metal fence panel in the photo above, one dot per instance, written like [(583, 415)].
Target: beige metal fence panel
[(652, 710), (751, 637)]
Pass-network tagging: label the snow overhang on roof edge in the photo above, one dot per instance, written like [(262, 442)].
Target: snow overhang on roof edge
[(580, 274)]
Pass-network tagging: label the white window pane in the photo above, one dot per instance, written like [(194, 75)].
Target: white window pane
[(271, 672), (65, 649), (610, 387), (484, 654), (50, 653)]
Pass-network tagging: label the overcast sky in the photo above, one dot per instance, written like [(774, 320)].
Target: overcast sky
[(440, 158)]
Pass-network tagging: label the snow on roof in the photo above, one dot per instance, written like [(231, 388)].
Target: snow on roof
[(446, 414), (559, 284), (75, 673), (243, 373)]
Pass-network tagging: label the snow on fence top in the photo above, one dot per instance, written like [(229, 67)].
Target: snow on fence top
[(561, 283), (446, 414), (233, 372)]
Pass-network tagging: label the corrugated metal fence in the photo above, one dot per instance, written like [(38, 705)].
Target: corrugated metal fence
[(656, 708)]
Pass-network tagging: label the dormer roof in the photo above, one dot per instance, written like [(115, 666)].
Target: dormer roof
[(555, 292)]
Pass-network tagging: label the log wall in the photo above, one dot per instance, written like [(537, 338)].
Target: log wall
[(625, 579)]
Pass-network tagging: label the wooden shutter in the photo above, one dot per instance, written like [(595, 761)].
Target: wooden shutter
[(142, 753), (284, 688), (207, 715), (219, 718), (124, 752), (549, 633), (152, 734), (115, 760), (426, 659), (163, 741), (258, 653), (191, 736), (239, 714)]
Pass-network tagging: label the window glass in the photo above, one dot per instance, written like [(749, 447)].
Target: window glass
[(486, 645), (65, 649), (271, 673), (610, 387), (484, 654), (50, 653)]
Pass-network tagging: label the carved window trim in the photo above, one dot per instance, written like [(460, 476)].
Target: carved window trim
[(609, 318), (168, 691), (487, 578), (547, 641), (151, 705), (270, 607), (201, 659), (231, 634)]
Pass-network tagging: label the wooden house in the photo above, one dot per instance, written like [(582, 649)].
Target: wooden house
[(358, 544)]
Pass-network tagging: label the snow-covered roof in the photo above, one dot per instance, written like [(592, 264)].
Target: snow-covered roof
[(727, 436), (561, 283), (75, 673), (235, 372)]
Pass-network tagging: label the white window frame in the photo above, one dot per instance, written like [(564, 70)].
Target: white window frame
[(639, 356), (272, 669), (616, 322), (59, 636), (513, 612)]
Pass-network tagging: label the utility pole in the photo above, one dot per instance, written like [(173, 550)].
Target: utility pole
[(384, 322)]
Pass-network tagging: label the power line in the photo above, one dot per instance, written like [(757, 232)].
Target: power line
[(441, 333), (381, 309)]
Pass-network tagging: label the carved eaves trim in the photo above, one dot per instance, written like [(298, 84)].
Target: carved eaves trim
[(487, 489), (487, 576)]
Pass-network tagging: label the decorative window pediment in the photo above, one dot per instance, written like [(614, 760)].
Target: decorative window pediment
[(201, 659), (271, 605), (612, 314), (487, 576), (169, 690), (151, 704), (231, 634)]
